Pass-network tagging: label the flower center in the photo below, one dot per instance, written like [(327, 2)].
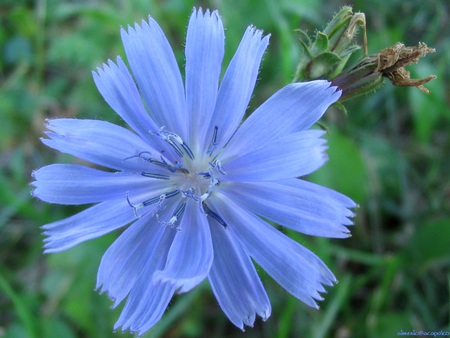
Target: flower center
[(199, 178), (188, 175)]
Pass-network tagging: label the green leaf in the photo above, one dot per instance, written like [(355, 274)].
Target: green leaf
[(320, 45), (339, 22), (349, 50), (306, 52), (303, 37), (323, 64)]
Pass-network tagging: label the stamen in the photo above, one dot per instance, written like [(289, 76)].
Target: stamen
[(153, 200), (205, 174), (175, 147), (180, 210), (216, 165), (138, 155), (213, 144), (175, 141), (189, 193), (163, 163), (188, 150), (172, 193), (133, 206), (157, 199), (211, 186), (152, 175), (211, 213), (176, 215)]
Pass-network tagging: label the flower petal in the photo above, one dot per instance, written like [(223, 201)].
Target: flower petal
[(146, 302), (144, 306), (293, 108), (204, 53), (117, 87), (93, 222), (234, 280), (191, 254), (157, 74), (295, 155), (99, 142), (77, 184), (131, 254), (296, 269), (237, 85), (296, 204)]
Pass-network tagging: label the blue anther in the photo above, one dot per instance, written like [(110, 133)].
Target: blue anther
[(214, 215)]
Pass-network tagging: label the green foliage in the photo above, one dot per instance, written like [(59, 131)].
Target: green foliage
[(328, 53), (389, 153), (345, 170)]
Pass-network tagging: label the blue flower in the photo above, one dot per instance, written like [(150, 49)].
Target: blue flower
[(195, 187)]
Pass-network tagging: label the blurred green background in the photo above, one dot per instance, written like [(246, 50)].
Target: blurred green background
[(390, 154)]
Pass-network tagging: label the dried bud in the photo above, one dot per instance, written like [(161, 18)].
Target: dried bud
[(392, 60), (368, 74)]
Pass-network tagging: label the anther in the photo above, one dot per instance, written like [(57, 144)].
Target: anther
[(214, 215), (175, 141), (153, 200), (163, 163), (172, 193), (189, 193), (188, 150), (175, 217), (205, 174), (157, 199), (217, 166), (213, 144), (158, 176), (180, 210)]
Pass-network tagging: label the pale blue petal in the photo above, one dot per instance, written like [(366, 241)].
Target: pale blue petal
[(144, 307), (191, 254), (146, 302), (98, 142), (293, 108), (131, 254), (237, 85), (204, 52), (93, 222), (234, 280), (295, 155), (295, 268), (333, 196), (77, 184), (157, 74), (117, 87), (296, 204)]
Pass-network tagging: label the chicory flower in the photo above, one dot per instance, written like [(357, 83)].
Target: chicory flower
[(193, 188)]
